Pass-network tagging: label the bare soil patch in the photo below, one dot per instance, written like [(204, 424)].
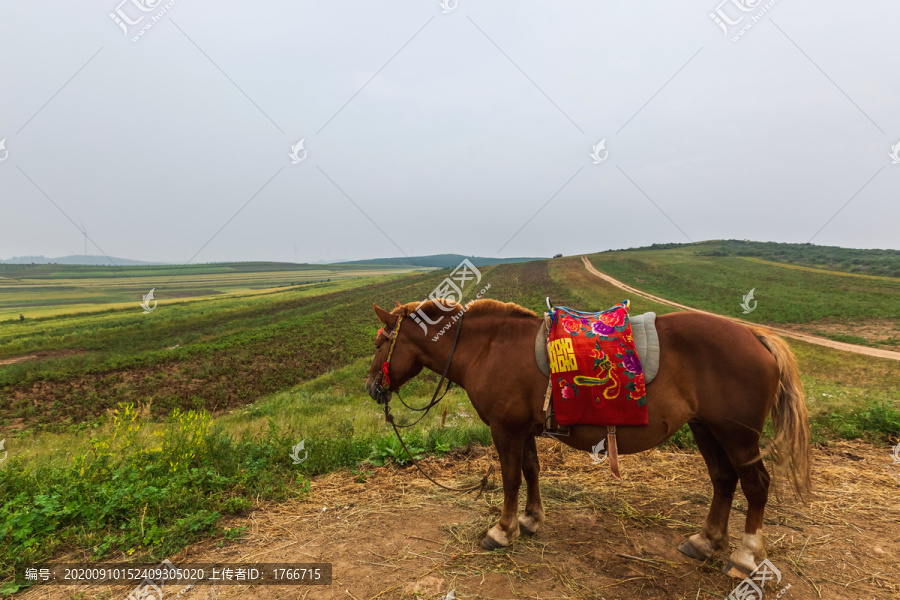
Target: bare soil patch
[(38, 356), (398, 536)]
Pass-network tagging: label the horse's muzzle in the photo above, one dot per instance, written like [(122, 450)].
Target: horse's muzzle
[(378, 393)]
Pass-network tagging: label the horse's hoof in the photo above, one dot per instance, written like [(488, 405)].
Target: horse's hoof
[(700, 548), (489, 543), (736, 571), (689, 549), (527, 526)]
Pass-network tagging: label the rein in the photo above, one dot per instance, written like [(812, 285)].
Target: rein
[(434, 398), (424, 410)]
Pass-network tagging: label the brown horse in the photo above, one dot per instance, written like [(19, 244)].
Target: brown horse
[(721, 378)]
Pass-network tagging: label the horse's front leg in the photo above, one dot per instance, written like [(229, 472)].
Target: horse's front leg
[(534, 508), (510, 445)]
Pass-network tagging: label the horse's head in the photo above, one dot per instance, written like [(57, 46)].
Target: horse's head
[(396, 358)]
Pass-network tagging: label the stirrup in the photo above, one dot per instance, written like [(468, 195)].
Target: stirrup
[(554, 429), (563, 431)]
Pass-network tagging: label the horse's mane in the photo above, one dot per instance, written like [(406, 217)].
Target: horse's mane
[(483, 306)]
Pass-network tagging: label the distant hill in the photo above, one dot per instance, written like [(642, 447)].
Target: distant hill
[(439, 261), (73, 260), (436, 261), (885, 263)]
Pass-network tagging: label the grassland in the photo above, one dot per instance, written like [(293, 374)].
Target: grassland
[(210, 355), (838, 384), (39, 291), (116, 451), (226, 352), (884, 263), (849, 307)]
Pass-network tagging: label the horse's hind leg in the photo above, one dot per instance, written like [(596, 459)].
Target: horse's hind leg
[(714, 536), (534, 508), (510, 446), (755, 484)]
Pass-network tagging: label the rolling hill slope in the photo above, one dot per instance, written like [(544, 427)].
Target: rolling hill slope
[(221, 353)]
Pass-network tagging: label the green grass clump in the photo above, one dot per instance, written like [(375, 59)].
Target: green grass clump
[(147, 489), (140, 494), (437, 441), (878, 421), (683, 439)]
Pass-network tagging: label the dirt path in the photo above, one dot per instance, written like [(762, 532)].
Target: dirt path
[(812, 339), (397, 536), (12, 361), (39, 356)]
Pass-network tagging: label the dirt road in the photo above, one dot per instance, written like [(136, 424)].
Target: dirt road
[(812, 339)]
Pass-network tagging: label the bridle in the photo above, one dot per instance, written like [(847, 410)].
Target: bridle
[(382, 388), (383, 380)]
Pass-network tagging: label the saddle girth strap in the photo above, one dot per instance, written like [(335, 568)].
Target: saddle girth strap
[(613, 451), (545, 329)]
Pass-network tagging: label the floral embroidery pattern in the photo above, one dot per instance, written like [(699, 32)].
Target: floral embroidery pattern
[(608, 386)]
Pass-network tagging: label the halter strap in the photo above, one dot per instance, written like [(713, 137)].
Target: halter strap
[(386, 379)]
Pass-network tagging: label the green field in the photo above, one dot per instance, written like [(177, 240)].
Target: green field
[(136, 433), (784, 293), (883, 263), (49, 290)]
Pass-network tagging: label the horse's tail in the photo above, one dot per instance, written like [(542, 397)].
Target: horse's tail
[(791, 448)]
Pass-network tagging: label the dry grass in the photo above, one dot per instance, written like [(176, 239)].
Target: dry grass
[(398, 536)]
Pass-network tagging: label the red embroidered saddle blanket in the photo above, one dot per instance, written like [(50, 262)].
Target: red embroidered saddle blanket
[(595, 371)]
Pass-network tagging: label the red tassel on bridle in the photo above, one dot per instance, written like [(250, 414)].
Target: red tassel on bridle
[(386, 379)]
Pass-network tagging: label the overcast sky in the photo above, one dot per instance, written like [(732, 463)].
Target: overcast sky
[(428, 131)]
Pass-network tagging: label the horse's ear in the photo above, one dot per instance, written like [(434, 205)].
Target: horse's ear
[(398, 305), (384, 316)]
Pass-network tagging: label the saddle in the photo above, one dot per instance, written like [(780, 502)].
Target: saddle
[(646, 346), (646, 342)]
